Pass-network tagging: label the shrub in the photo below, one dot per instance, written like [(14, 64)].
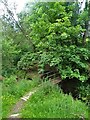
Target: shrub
[(27, 61), (84, 92), (9, 54)]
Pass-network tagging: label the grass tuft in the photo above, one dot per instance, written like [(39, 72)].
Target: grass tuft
[(50, 102)]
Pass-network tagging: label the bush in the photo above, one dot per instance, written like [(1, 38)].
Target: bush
[(9, 54), (84, 92), (28, 61), (71, 62)]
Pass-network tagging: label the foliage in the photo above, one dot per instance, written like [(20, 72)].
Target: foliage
[(8, 102), (14, 44), (57, 40), (69, 62), (56, 32), (55, 29), (13, 90), (28, 61), (84, 92), (0, 100), (9, 53), (50, 102), (19, 87)]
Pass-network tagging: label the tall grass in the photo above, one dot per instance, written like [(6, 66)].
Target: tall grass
[(50, 102), (0, 100), (13, 90)]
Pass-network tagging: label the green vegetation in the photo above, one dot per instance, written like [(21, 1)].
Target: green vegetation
[(50, 102), (49, 35), (0, 101), (58, 42), (7, 104), (84, 92), (46, 37), (13, 91)]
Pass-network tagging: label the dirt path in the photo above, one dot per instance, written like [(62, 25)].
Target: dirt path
[(15, 112)]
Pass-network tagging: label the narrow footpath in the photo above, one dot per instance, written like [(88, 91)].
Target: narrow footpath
[(15, 112)]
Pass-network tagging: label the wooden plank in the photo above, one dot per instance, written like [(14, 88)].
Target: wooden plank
[(56, 81)]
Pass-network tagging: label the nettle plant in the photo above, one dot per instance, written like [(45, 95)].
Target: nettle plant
[(58, 41)]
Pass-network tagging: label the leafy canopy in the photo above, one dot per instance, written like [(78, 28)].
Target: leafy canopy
[(58, 40)]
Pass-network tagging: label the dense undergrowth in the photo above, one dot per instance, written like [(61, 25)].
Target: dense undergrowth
[(50, 102), (52, 34), (13, 90), (0, 101)]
